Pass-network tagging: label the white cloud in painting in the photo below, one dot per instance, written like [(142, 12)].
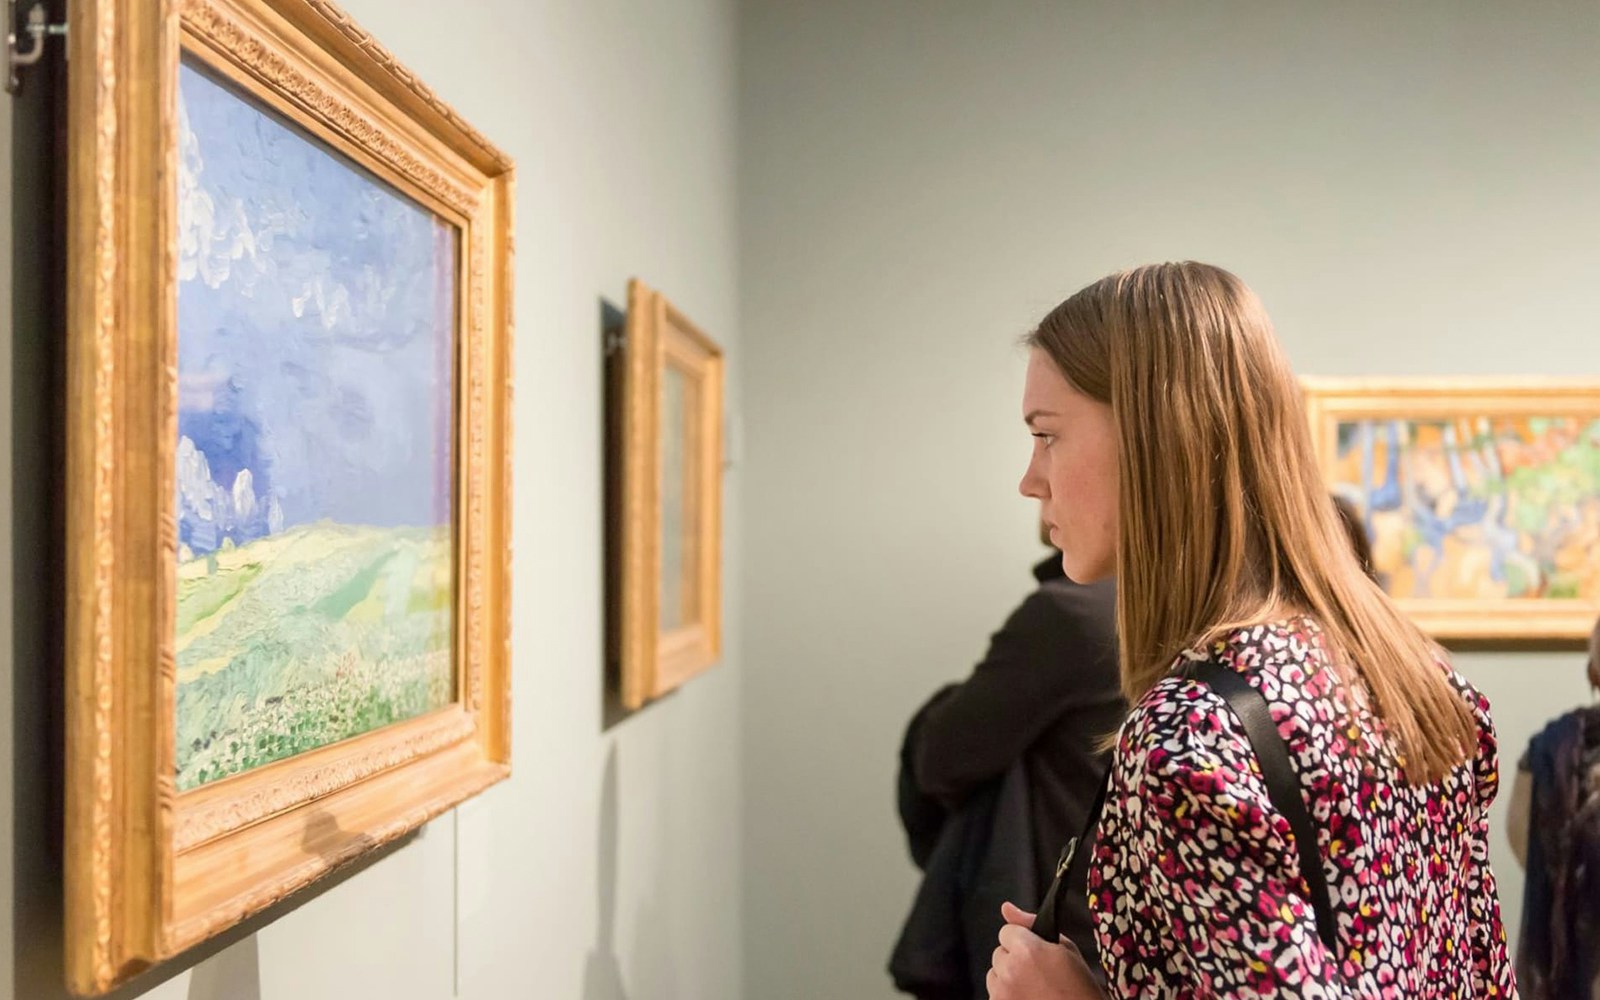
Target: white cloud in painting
[(329, 306), (214, 513), (198, 494), (244, 495), (219, 241), (210, 238)]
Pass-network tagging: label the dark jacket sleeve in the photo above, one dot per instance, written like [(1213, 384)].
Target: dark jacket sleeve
[(921, 815), (1037, 668)]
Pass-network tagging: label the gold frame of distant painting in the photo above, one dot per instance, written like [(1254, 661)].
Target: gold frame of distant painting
[(656, 660), (1329, 400), (151, 871)]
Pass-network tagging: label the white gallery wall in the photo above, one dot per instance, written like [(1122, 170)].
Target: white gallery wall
[(1413, 189), (607, 867)]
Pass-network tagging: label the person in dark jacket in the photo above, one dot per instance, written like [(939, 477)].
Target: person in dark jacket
[(1008, 762)]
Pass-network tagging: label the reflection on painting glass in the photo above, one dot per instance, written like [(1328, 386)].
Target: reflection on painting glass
[(314, 470), (1503, 507), (675, 481)]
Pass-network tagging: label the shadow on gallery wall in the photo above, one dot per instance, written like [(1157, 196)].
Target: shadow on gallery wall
[(231, 962), (602, 971), (612, 711), (232, 974), (38, 305), (654, 956)]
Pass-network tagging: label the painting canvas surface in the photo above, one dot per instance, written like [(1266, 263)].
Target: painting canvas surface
[(1487, 508), (675, 480), (316, 317)]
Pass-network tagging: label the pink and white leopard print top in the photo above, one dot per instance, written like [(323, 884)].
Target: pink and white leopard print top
[(1194, 881)]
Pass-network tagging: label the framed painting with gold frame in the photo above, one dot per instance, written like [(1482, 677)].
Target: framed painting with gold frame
[(288, 454), (671, 499), (1481, 497)]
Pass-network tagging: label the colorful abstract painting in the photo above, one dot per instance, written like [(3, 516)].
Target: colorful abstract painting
[(1483, 508), (316, 316)]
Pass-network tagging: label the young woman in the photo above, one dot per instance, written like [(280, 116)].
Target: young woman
[(1172, 451)]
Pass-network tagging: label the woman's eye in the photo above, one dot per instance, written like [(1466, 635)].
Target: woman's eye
[(1041, 436)]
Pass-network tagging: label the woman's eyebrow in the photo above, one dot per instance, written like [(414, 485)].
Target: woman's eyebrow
[(1036, 414)]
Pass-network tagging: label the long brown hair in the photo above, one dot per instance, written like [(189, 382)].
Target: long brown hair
[(1224, 519), (1360, 544)]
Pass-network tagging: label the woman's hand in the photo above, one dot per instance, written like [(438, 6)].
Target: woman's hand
[(1027, 967)]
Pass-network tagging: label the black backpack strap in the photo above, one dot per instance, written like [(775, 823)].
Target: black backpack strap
[(1283, 786), (1072, 869)]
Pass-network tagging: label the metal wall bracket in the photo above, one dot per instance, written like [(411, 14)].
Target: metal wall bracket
[(37, 31)]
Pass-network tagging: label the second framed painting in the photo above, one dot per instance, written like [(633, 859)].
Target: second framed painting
[(669, 409), (1482, 498)]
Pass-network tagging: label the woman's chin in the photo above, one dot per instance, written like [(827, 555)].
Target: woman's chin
[(1085, 571)]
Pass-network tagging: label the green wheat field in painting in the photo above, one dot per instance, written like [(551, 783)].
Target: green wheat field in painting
[(305, 638), (314, 462)]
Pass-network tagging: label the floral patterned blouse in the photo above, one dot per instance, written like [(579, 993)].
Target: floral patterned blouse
[(1195, 883)]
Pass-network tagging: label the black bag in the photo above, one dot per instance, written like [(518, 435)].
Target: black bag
[(1282, 786)]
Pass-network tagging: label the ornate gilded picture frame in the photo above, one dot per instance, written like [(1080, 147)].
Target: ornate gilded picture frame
[(1481, 497), (671, 562), (288, 453)]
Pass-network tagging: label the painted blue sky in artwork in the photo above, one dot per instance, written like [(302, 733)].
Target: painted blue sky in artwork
[(315, 317)]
